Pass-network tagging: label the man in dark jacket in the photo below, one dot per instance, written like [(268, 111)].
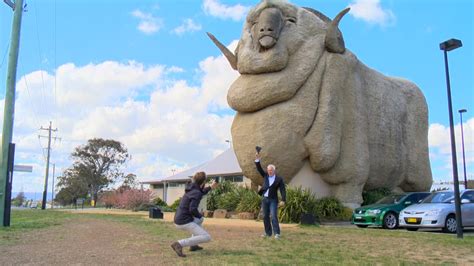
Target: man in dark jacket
[(271, 184), (188, 217)]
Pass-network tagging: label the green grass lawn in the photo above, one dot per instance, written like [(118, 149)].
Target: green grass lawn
[(300, 245), (23, 221)]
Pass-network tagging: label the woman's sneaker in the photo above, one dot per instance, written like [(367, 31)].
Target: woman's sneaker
[(178, 249), (195, 248)]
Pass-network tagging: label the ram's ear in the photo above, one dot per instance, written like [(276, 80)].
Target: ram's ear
[(334, 41), (318, 14)]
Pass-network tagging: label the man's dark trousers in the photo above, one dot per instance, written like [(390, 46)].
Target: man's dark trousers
[(270, 208)]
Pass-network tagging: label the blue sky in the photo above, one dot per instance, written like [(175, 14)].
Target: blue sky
[(145, 73)]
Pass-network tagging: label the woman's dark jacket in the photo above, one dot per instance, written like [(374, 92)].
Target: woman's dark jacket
[(188, 206)]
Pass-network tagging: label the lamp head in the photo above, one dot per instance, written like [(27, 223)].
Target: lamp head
[(450, 44), (462, 111)]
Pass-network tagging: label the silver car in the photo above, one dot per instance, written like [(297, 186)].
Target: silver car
[(438, 211)]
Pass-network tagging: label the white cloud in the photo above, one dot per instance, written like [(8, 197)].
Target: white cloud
[(148, 23), (188, 26), (440, 145), (219, 75), (216, 9), (372, 12), (165, 123)]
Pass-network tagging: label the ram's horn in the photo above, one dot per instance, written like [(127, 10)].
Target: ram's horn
[(227, 53), (334, 41)]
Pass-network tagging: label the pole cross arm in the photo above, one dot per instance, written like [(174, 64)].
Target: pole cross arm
[(10, 4)]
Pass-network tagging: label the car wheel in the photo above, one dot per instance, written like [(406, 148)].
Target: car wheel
[(361, 225), (450, 224), (390, 221), (412, 228)]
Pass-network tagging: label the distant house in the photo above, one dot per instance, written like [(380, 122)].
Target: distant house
[(224, 166)]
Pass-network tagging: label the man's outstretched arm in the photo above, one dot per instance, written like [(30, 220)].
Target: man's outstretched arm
[(258, 165)]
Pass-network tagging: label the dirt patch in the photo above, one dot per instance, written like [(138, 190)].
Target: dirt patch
[(90, 241), (82, 241)]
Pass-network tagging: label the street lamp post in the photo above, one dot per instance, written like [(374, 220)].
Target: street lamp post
[(446, 47), (230, 143), (463, 155)]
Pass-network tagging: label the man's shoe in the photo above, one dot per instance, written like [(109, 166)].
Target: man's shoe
[(178, 249), (277, 236), (195, 248)]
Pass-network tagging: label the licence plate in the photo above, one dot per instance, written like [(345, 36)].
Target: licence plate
[(411, 220)]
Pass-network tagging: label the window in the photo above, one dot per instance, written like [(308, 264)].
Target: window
[(421, 197), (439, 197), (412, 198), (157, 186), (175, 184), (233, 178), (469, 195)]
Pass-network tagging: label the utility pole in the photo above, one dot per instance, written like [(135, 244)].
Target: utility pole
[(9, 108), (52, 188), (45, 191)]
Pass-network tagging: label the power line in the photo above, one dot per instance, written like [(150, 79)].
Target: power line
[(55, 63), (39, 52), (31, 101), (4, 55)]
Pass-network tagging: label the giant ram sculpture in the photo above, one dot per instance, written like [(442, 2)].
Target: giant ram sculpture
[(327, 121)]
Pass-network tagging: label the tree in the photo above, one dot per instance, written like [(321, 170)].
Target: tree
[(19, 199), (97, 164), (72, 186), (129, 182)]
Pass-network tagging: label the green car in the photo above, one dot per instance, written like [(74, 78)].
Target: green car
[(385, 212)]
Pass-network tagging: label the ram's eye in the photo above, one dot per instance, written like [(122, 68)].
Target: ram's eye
[(292, 20)]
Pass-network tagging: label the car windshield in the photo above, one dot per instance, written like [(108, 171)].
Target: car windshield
[(390, 199), (439, 197)]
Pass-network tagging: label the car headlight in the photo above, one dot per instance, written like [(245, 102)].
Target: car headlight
[(373, 211), (432, 212)]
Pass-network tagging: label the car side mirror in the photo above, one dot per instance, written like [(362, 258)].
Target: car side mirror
[(407, 202), (465, 201)]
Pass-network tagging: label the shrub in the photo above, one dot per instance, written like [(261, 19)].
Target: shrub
[(250, 201), (175, 204), (131, 199), (144, 207), (470, 183), (108, 198), (166, 209), (213, 196), (372, 196), (159, 202), (298, 201), (329, 207), (230, 200), (346, 214)]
